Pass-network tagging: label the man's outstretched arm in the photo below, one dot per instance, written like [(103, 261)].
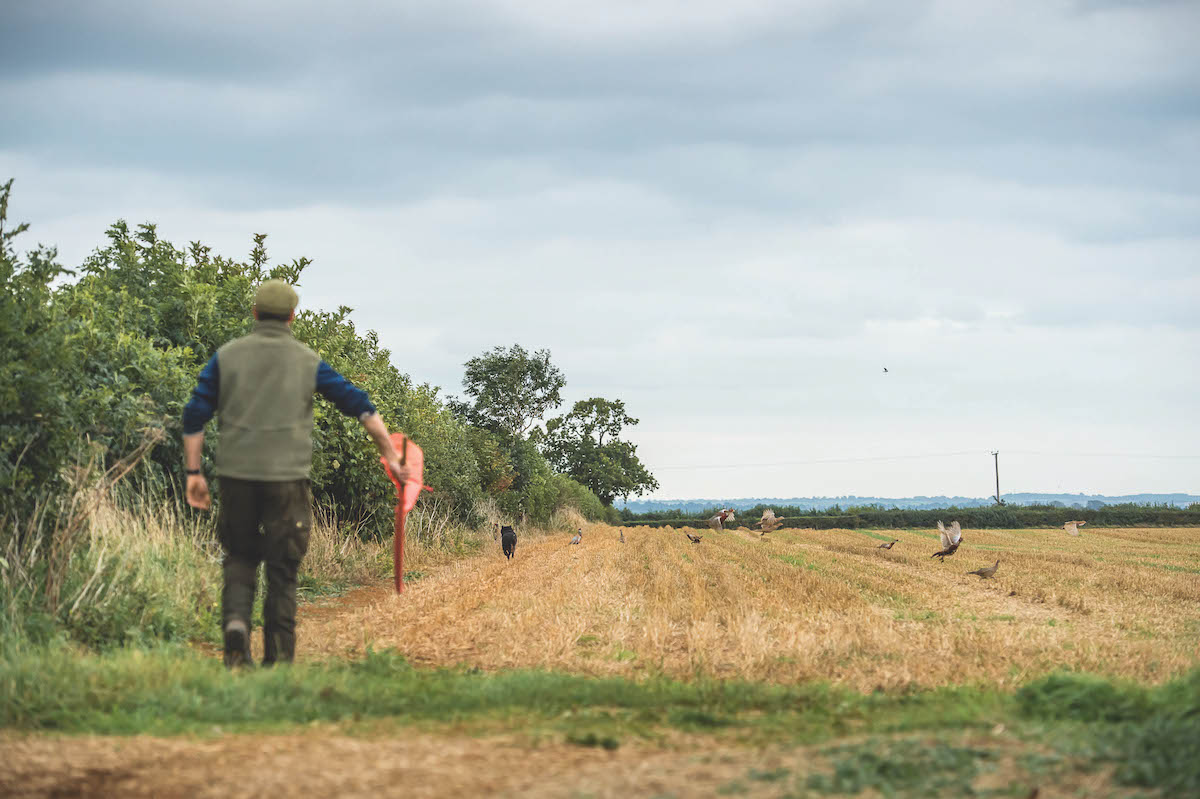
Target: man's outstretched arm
[(353, 401), (383, 442)]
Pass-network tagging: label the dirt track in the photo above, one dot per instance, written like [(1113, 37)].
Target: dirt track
[(322, 764), (331, 765)]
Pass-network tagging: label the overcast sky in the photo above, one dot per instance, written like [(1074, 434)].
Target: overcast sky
[(732, 215)]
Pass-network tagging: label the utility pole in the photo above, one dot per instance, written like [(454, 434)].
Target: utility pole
[(996, 459)]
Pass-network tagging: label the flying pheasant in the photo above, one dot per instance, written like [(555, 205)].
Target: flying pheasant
[(889, 544), (578, 536), (717, 522), (987, 571), (950, 540), (769, 523), (695, 539), (1073, 527)]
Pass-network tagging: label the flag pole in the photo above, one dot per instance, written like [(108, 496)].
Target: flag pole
[(398, 538)]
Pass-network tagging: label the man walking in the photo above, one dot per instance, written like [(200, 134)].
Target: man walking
[(261, 387)]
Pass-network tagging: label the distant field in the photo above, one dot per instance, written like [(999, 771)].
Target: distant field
[(798, 605)]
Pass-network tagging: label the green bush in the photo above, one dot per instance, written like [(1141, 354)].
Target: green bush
[(102, 358), (37, 428), (570, 494)]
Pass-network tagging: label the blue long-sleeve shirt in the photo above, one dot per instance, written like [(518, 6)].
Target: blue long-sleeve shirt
[(347, 397)]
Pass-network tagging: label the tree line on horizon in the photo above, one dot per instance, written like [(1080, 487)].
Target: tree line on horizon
[(671, 508), (993, 516)]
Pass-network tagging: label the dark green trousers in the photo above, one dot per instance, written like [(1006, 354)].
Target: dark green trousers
[(264, 521)]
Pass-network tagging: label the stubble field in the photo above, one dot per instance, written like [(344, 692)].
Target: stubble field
[(797, 605)]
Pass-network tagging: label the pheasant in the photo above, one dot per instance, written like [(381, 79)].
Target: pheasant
[(695, 539), (622, 536), (1073, 527), (889, 544), (578, 536), (950, 540), (987, 571), (769, 523), (717, 522)]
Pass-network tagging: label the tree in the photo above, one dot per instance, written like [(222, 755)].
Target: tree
[(585, 445), (511, 389)]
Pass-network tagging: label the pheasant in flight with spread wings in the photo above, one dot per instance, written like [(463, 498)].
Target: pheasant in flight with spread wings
[(769, 522), (950, 540), (1073, 527), (717, 522)]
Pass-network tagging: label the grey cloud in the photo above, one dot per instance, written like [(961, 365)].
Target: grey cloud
[(440, 102)]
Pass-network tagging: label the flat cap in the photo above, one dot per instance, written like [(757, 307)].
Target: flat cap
[(276, 297)]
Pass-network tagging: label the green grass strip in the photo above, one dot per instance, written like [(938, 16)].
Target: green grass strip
[(172, 690)]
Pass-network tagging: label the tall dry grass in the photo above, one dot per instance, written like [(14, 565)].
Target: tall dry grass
[(113, 566)]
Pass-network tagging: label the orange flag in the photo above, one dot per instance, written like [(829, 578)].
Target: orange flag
[(406, 495)]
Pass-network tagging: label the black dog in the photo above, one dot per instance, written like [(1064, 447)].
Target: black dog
[(508, 540)]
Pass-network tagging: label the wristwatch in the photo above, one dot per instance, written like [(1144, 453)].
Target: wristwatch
[(192, 471)]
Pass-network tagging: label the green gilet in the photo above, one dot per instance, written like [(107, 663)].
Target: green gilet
[(265, 405)]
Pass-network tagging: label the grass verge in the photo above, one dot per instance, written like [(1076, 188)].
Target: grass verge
[(170, 690), (901, 744)]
